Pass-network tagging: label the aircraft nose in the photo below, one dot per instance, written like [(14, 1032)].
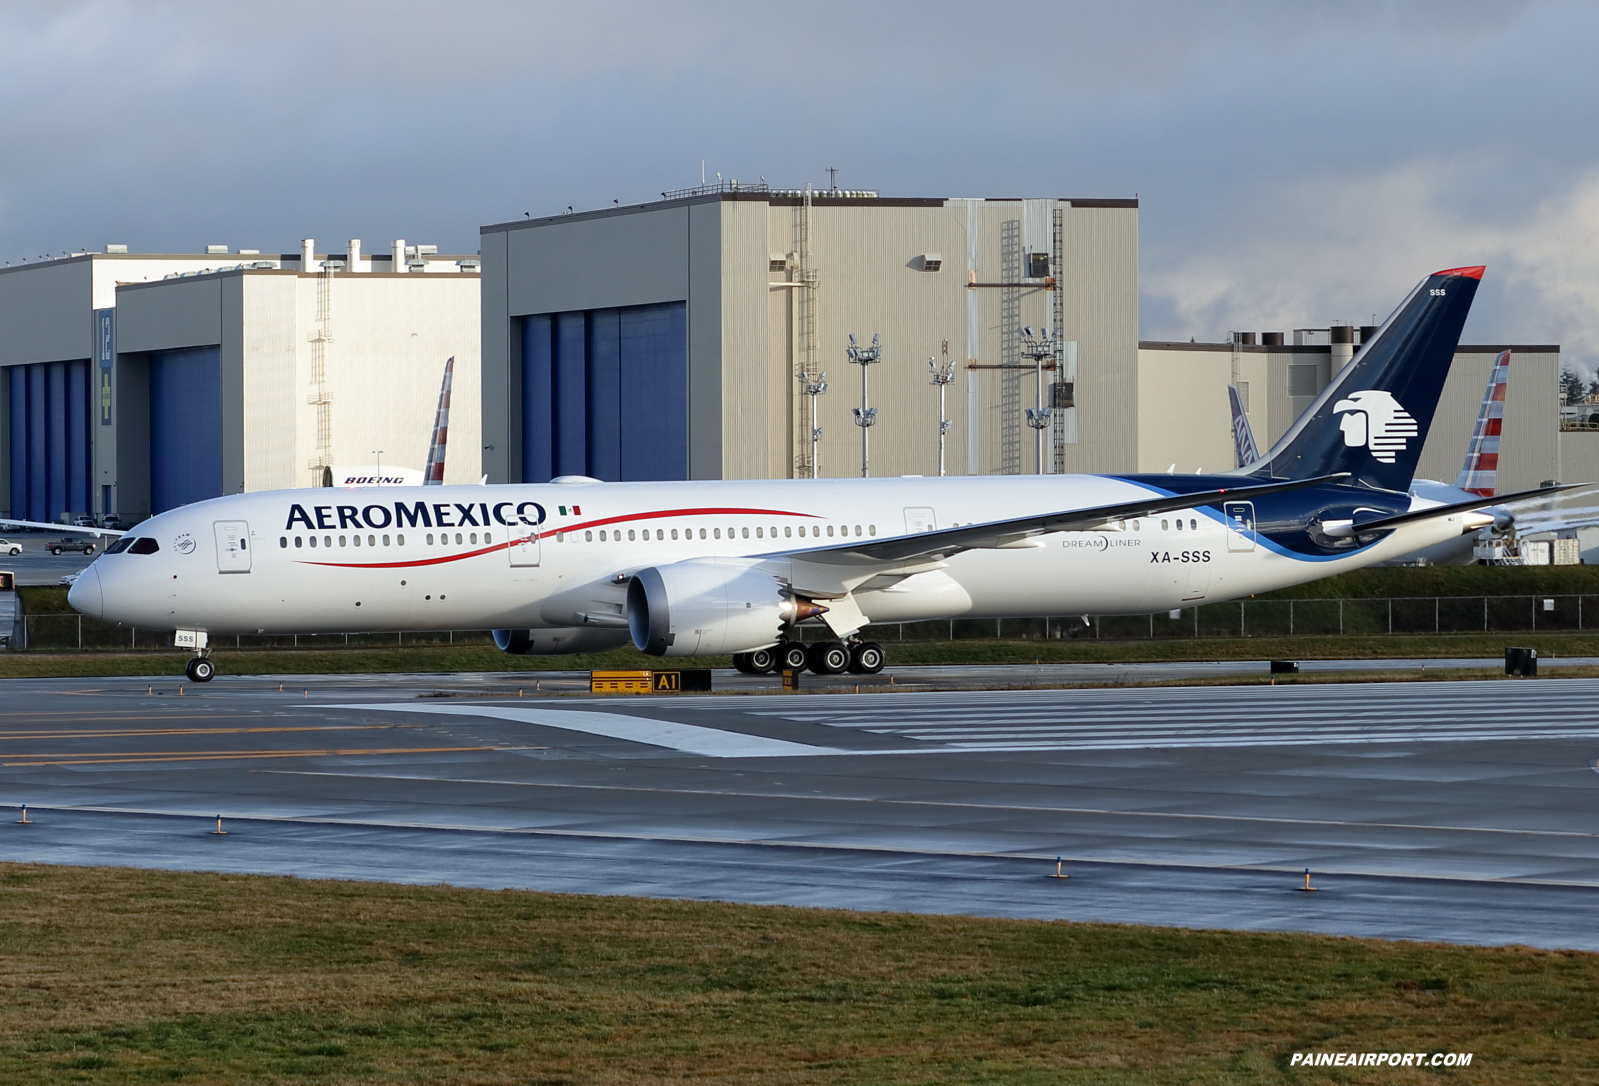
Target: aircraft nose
[(85, 596)]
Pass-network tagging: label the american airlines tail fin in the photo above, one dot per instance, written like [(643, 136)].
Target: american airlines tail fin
[(433, 475), (1373, 416), (1479, 474), (1243, 437)]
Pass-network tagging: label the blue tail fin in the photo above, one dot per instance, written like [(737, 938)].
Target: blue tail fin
[(1373, 416), (1244, 447)]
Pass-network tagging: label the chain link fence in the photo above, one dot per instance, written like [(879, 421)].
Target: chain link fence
[(1277, 618), (73, 633), (1240, 618)]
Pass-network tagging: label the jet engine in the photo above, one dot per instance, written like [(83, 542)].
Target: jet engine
[(559, 641), (706, 606)]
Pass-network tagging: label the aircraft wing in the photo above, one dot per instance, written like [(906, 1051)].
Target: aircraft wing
[(64, 529), (1386, 523), (1001, 533)]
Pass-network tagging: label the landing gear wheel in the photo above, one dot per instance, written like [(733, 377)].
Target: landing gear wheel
[(741, 662), (828, 658), (761, 661), (200, 670), (866, 658), (791, 656)]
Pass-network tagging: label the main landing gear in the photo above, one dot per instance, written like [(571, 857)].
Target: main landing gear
[(822, 657), (200, 670)]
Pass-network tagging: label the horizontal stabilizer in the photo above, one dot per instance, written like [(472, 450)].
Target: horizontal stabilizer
[(1387, 523)]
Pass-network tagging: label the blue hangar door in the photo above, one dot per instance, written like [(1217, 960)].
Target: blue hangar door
[(605, 393), (50, 439), (185, 427)]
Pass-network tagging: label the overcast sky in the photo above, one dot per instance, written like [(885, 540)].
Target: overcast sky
[(1297, 163)]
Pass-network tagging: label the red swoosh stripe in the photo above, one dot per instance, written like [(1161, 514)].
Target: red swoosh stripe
[(661, 514)]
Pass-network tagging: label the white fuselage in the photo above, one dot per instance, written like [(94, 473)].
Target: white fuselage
[(470, 557)]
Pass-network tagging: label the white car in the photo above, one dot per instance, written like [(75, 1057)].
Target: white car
[(69, 578), (9, 547)]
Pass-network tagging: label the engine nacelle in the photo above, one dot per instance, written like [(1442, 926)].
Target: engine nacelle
[(706, 606), (559, 641)]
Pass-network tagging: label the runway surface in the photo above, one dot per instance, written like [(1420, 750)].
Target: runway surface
[(1463, 811)]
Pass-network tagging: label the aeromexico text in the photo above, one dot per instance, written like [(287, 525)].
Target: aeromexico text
[(416, 515)]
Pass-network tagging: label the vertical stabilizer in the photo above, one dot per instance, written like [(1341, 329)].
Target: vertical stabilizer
[(1244, 447), (1372, 418), (1479, 474), (433, 475)]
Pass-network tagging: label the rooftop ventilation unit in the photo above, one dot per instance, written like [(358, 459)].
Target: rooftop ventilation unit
[(931, 262), (212, 250), (116, 248)]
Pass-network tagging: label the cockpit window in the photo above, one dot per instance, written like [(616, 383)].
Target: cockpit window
[(120, 545), (144, 545)]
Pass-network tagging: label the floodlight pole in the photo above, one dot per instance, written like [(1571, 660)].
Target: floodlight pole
[(1039, 346), (814, 387), (943, 374), (865, 417)]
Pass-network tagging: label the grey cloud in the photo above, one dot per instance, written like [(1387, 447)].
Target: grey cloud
[(1296, 162)]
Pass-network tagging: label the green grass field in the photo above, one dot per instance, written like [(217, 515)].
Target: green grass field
[(115, 975)]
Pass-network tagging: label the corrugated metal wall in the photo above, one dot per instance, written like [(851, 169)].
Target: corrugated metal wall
[(605, 393), (50, 443), (185, 427)]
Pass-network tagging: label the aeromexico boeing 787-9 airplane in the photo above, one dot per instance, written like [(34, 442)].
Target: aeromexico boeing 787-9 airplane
[(686, 569)]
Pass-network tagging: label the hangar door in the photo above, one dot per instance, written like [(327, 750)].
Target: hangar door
[(185, 427), (605, 393), (49, 439)]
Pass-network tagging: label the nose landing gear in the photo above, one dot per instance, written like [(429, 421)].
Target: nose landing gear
[(199, 670)]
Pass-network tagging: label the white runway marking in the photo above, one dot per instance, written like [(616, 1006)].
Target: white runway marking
[(1199, 717), (689, 738)]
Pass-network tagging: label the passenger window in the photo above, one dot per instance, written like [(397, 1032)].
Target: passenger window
[(1179, 525), (588, 537), (356, 540), (871, 529), (1163, 526), (829, 531), (857, 529), (702, 533), (385, 541), (342, 542), (788, 530), (430, 539), (147, 545), (313, 541), (630, 536), (1194, 525), (717, 532), (746, 533), (674, 533), (400, 540), (296, 542), (283, 541)]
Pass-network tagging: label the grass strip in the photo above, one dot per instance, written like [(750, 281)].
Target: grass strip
[(118, 975)]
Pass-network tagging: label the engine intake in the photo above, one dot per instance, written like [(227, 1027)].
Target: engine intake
[(706, 606)]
